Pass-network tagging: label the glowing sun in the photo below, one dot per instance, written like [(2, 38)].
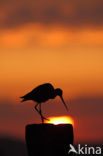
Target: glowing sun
[(60, 120)]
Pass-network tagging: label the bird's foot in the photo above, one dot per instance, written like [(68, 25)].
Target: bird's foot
[(43, 118), (46, 119)]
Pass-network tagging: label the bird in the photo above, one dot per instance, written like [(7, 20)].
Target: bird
[(41, 94)]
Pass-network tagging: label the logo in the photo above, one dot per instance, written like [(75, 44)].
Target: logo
[(85, 150), (72, 149)]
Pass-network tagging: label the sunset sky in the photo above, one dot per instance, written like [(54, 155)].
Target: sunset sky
[(60, 42)]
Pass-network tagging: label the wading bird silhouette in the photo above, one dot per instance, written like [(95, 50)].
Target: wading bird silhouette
[(41, 94)]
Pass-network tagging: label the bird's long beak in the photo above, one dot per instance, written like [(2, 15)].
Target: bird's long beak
[(64, 103)]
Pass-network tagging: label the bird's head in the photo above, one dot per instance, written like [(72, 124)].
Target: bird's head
[(59, 92)]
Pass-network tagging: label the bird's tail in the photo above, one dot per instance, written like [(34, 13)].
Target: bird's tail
[(23, 99)]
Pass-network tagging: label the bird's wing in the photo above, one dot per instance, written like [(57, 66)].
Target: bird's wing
[(41, 90), (44, 89)]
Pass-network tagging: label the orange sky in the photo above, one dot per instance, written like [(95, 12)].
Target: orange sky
[(61, 56), (68, 54)]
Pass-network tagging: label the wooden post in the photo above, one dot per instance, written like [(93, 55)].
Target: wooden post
[(49, 139)]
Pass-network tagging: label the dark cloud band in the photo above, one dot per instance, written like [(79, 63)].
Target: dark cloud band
[(75, 13)]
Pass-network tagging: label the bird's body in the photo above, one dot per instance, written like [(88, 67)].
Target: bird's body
[(41, 94)]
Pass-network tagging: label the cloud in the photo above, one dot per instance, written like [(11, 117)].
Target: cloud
[(11, 111), (37, 36), (76, 13), (87, 114), (79, 107), (88, 107)]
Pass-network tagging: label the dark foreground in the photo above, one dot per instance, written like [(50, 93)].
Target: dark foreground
[(13, 147)]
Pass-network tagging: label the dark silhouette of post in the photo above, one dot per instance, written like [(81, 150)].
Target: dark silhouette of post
[(49, 139)]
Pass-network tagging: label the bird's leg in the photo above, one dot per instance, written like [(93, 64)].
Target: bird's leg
[(40, 108), (42, 117), (36, 107), (39, 111)]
